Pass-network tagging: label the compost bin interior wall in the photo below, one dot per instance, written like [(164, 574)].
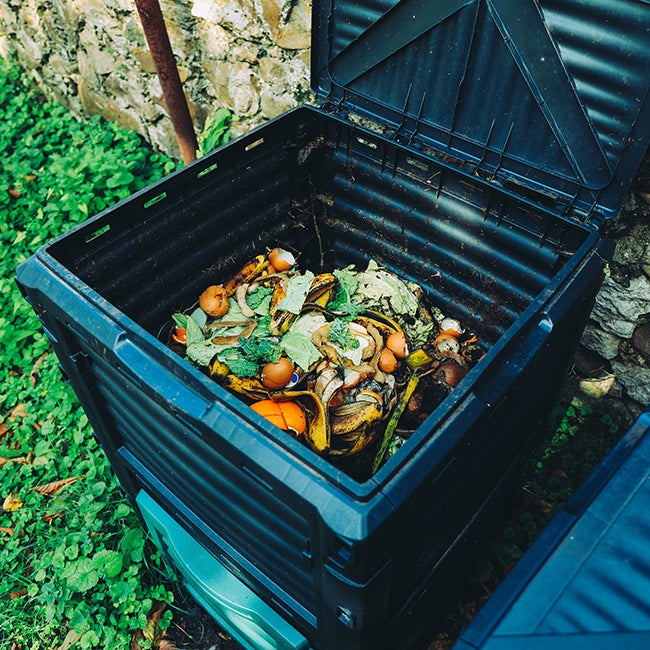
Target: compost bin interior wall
[(337, 196)]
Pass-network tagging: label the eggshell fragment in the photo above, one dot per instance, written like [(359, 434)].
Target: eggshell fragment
[(281, 260), (214, 301), (396, 343), (387, 361)]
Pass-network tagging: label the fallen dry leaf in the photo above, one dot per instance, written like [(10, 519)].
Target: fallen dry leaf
[(165, 644), (3, 428), (18, 594), (33, 375), (70, 639), (6, 531), (135, 640), (24, 460), (18, 411), (12, 502), (20, 460), (50, 489), (152, 632), (50, 519)]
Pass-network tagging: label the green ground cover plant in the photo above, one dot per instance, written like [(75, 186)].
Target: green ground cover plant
[(76, 567)]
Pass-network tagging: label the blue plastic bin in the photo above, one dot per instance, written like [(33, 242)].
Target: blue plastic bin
[(585, 582)]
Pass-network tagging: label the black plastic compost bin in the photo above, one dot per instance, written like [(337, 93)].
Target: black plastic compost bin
[(585, 582), (473, 147)]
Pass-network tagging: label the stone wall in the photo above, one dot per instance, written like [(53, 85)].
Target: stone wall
[(251, 56), (613, 361)]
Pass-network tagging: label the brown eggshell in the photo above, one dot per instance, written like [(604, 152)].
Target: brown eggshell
[(387, 361), (214, 301), (277, 375), (396, 343), (281, 260)]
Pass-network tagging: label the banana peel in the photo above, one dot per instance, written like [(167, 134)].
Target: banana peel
[(218, 370), (319, 293), (250, 387), (384, 324), (353, 417), (317, 434), (248, 272)]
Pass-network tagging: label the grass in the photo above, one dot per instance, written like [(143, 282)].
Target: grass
[(77, 568), (76, 565)]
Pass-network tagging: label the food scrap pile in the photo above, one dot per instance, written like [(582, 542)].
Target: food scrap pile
[(351, 362)]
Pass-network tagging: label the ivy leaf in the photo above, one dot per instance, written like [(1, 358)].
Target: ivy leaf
[(121, 178), (132, 544)]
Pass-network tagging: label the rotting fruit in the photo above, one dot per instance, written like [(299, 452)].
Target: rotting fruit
[(286, 415), (350, 361)]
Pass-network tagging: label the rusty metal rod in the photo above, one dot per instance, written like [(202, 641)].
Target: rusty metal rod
[(155, 32)]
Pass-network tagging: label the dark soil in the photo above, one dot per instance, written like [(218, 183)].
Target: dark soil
[(193, 629)]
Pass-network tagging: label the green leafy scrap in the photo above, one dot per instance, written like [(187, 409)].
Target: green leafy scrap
[(340, 334), (297, 290), (180, 320), (259, 298), (260, 349), (237, 363), (300, 349)]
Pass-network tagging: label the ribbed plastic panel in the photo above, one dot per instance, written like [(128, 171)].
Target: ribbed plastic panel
[(586, 581), (189, 211), (459, 251), (273, 536), (350, 197), (549, 94)]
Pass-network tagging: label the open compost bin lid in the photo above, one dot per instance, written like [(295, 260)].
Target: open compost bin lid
[(547, 98)]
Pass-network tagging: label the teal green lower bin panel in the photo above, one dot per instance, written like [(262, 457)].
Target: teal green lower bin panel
[(233, 605)]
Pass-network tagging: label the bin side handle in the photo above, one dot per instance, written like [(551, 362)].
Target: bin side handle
[(143, 371), (228, 600)]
